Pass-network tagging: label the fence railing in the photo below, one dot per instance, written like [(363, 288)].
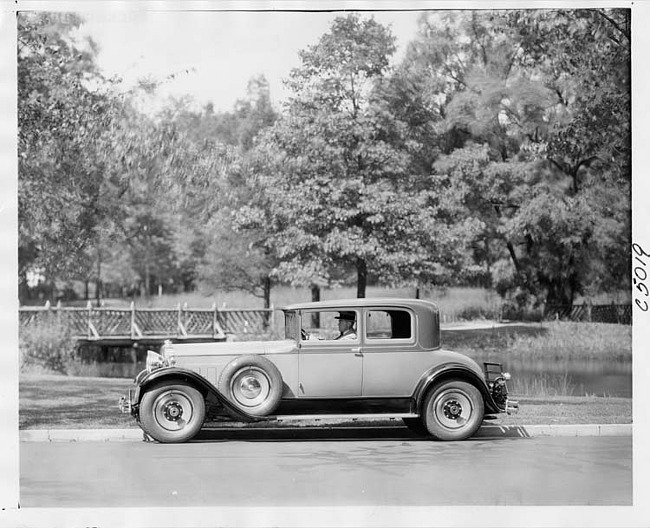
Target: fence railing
[(106, 324), (594, 313)]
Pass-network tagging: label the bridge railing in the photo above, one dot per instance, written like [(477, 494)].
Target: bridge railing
[(97, 323), (593, 313)]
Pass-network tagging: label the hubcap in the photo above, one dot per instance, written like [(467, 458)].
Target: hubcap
[(250, 387), (452, 409), (173, 410)]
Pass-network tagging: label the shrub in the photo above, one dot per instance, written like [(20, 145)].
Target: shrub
[(472, 313), (46, 344), (576, 340), (544, 385)]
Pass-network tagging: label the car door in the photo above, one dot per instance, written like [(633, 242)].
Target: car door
[(328, 367), (393, 362)]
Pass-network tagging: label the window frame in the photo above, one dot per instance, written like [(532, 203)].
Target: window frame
[(331, 342), (386, 340)]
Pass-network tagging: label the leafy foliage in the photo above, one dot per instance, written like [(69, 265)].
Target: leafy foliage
[(335, 184), (520, 136), (47, 344), (494, 154), (61, 115)]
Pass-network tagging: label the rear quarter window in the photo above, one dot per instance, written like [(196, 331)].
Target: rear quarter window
[(389, 324)]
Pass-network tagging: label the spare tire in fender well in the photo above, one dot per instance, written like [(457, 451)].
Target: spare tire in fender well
[(253, 384)]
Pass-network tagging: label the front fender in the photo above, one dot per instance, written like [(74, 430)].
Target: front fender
[(452, 371), (173, 374)]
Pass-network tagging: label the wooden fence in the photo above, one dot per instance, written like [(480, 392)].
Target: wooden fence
[(594, 313), (150, 325)]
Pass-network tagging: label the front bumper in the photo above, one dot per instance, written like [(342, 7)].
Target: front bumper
[(126, 403)]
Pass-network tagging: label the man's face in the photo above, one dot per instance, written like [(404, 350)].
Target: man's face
[(344, 325)]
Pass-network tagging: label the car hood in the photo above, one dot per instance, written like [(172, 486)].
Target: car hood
[(232, 348)]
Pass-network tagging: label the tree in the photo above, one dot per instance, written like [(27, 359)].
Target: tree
[(230, 260), (335, 187), (236, 261), (528, 139), (63, 109)]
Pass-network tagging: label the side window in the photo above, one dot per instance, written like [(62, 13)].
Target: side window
[(329, 325), (388, 324)]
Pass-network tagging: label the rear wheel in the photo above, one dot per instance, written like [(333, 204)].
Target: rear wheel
[(172, 412), (453, 410)]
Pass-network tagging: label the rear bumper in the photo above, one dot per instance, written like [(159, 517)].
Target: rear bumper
[(512, 406), (496, 380)]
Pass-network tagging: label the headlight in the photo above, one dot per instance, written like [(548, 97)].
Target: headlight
[(506, 376), (155, 361), (167, 352)]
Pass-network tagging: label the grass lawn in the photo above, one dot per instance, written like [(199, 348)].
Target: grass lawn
[(547, 340), (63, 402), (49, 401)]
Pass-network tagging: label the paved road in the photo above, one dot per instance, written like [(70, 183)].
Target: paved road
[(319, 467)]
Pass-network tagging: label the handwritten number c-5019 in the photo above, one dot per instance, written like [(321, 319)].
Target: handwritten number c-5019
[(639, 250)]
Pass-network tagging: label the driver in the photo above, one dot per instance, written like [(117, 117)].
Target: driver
[(346, 325)]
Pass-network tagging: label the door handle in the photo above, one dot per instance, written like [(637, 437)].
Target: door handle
[(357, 351)]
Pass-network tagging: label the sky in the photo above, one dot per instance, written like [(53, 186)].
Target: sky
[(212, 55)]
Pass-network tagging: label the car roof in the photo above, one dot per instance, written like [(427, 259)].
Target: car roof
[(348, 304)]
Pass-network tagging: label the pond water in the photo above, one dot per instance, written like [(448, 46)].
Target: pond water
[(575, 377)]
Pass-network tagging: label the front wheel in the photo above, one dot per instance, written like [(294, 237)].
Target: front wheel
[(453, 410), (172, 413)]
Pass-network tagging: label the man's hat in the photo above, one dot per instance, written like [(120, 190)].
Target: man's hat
[(346, 316)]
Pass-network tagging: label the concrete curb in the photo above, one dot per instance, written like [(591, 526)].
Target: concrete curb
[(486, 431), (529, 431), (81, 435)]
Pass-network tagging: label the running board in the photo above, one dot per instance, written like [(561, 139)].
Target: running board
[(348, 417)]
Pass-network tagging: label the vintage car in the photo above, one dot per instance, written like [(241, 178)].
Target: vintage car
[(357, 359)]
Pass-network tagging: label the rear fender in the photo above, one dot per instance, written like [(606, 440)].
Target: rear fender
[(452, 371), (174, 374)]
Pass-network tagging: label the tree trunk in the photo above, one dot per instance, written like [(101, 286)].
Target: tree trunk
[(559, 293), (266, 285), (147, 278), (513, 256), (98, 283), (362, 277), (315, 297)]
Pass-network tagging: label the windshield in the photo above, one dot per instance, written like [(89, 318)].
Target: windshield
[(291, 325)]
